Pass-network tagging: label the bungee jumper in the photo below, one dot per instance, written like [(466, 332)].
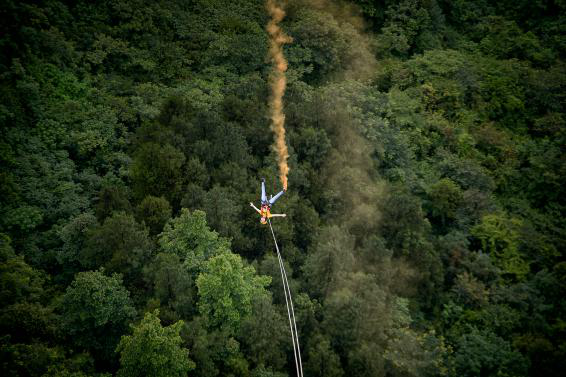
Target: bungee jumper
[(265, 211), (266, 215)]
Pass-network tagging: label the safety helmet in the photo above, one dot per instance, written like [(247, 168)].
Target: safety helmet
[(263, 220)]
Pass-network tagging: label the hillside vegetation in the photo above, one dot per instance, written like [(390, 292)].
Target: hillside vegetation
[(425, 231)]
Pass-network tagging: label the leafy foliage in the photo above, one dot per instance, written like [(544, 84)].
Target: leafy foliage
[(96, 309), (189, 237), (225, 289), (425, 229), (153, 350)]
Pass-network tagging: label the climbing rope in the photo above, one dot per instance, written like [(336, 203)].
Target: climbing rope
[(290, 309)]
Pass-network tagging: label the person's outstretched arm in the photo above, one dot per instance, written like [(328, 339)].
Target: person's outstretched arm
[(278, 215), (254, 207), (274, 199)]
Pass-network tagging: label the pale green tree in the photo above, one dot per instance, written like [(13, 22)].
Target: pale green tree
[(189, 237), (500, 236), (226, 289), (153, 350), (332, 257)]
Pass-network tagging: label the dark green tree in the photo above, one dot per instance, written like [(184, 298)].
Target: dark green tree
[(445, 198), (157, 170), (120, 245), (172, 286), (484, 354), (154, 212)]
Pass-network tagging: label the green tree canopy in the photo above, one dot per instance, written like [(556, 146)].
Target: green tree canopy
[(154, 212), (226, 289), (189, 237), (96, 309), (500, 236), (172, 285), (120, 244), (156, 170), (445, 197), (153, 350)]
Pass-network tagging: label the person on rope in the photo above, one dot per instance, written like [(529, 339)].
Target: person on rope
[(265, 211)]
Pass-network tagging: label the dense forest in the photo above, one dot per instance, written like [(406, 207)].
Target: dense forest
[(426, 211)]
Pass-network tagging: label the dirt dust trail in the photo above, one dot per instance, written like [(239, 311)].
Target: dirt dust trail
[(278, 82)]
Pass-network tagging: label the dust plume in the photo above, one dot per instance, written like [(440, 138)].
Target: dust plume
[(278, 83)]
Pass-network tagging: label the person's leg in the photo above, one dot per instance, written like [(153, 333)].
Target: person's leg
[(263, 196), (274, 199)]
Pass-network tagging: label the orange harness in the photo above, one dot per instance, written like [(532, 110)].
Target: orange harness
[(265, 211)]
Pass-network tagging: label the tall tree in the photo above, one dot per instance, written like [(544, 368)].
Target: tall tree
[(153, 350), (96, 309), (121, 245), (226, 289), (189, 237)]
